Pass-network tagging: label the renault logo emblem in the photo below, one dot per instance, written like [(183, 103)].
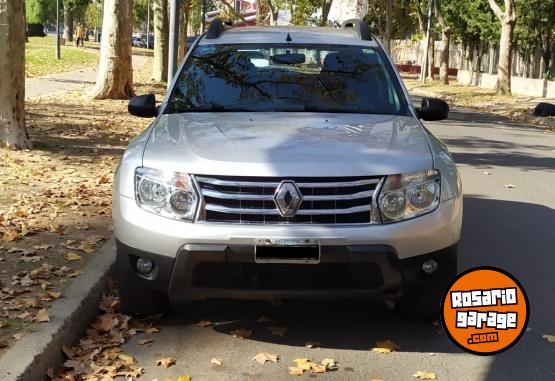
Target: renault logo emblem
[(288, 198)]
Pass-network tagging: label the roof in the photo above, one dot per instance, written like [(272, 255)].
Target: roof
[(277, 34)]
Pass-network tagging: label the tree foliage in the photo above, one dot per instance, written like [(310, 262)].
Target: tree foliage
[(40, 11)]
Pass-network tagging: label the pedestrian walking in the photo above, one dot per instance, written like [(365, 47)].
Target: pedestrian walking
[(80, 34)]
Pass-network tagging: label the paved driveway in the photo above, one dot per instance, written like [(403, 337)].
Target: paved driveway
[(510, 228)]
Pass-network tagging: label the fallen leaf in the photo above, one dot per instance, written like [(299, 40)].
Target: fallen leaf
[(262, 357), (265, 319), (71, 257), (204, 323), (127, 360), (216, 361), (152, 330), (329, 364), (165, 362), (4, 324), (424, 375), (304, 363), (278, 331), (145, 341), (55, 294), (241, 333), (550, 338), (11, 235), (385, 346), (295, 371), (17, 336), (86, 247), (183, 378), (312, 344), (509, 186), (42, 316), (487, 173)]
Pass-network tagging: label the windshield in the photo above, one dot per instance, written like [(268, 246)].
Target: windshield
[(275, 77)]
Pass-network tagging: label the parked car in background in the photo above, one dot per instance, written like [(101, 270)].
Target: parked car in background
[(287, 162)]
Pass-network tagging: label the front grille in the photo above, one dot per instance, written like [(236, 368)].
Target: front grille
[(273, 276), (249, 200)]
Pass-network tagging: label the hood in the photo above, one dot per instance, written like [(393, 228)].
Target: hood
[(287, 144)]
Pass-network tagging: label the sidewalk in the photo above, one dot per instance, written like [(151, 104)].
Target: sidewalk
[(37, 87), (517, 108)]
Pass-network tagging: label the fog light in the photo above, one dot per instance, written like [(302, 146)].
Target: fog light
[(144, 266), (430, 266)]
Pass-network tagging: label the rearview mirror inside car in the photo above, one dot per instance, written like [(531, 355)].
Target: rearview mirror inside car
[(288, 58), (433, 109), (143, 106)]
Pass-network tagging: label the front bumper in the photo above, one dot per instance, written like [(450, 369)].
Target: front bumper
[(165, 237), (201, 271)]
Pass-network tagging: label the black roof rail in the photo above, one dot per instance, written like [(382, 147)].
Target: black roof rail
[(217, 27), (359, 28)]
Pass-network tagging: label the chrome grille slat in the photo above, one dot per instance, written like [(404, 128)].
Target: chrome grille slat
[(234, 183), (250, 200), (247, 196), (275, 212)]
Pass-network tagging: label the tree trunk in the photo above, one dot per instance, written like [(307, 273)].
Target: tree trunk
[(161, 37), (431, 58), (508, 21), (13, 133), (115, 70), (388, 24), (445, 42), (183, 26), (505, 55), (444, 65), (326, 6), (273, 13), (68, 25)]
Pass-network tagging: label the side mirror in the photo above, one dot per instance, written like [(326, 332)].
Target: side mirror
[(143, 106), (433, 109)]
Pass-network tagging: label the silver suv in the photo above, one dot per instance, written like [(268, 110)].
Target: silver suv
[(286, 162)]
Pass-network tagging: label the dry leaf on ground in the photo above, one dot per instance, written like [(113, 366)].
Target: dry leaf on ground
[(145, 341), (509, 186), (216, 361), (241, 333), (42, 316), (127, 360), (204, 323), (424, 375), (165, 362), (71, 257), (385, 346), (262, 357), (265, 319), (550, 338), (312, 344), (152, 330), (295, 371)]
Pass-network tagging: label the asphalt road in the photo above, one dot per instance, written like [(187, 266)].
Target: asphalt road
[(511, 228)]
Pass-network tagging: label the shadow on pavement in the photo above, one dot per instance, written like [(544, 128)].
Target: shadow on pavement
[(515, 236)]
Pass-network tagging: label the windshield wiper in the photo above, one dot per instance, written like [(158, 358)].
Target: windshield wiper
[(213, 108), (323, 109)]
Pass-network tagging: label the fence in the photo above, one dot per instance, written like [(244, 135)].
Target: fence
[(480, 68)]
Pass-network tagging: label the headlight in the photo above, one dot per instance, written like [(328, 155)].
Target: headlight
[(169, 194), (409, 195)]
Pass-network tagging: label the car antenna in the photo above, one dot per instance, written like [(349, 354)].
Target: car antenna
[(288, 38)]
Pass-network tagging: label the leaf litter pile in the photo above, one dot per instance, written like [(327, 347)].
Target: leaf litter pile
[(55, 199), (98, 356)]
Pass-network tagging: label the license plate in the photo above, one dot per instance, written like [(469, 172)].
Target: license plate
[(285, 250)]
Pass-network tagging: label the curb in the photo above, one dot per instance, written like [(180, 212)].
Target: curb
[(29, 358)]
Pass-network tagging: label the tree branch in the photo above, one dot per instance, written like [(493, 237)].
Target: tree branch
[(493, 5)]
